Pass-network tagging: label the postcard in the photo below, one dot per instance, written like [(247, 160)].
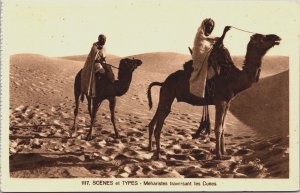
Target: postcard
[(159, 95)]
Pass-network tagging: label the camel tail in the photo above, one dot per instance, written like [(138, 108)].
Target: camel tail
[(149, 92)]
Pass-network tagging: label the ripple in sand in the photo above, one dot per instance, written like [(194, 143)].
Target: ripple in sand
[(191, 172), (262, 145), (186, 146), (210, 164), (181, 157), (169, 174), (202, 156), (241, 152)]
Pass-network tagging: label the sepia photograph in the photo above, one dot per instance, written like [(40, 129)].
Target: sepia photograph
[(158, 95)]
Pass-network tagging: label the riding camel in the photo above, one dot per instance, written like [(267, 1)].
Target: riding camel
[(226, 87), (105, 90)]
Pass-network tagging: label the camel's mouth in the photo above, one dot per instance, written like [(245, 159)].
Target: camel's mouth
[(277, 42), (274, 38), (138, 63)]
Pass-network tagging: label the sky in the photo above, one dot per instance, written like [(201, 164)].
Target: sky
[(65, 27)]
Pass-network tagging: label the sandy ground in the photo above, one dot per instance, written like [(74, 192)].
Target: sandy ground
[(41, 93)]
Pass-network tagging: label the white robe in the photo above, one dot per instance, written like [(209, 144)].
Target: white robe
[(88, 80), (201, 50)]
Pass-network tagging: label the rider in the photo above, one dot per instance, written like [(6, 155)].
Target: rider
[(100, 56), (95, 67), (203, 44)]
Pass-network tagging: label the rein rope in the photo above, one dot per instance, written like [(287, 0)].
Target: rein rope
[(243, 30), (112, 66)]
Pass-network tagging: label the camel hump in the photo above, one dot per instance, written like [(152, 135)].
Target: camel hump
[(188, 66), (109, 72)]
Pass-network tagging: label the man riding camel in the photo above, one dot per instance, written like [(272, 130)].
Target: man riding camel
[(95, 68), (203, 45)]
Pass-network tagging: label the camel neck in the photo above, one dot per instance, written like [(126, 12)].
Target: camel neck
[(123, 82), (252, 63)]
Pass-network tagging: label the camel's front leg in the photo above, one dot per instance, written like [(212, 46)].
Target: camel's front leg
[(220, 111), (89, 106), (74, 128), (112, 105), (223, 149), (96, 105)]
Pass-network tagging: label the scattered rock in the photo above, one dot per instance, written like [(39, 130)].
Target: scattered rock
[(43, 134), (36, 143), (127, 169), (20, 108), (101, 143), (12, 150), (104, 158), (239, 175), (124, 175), (13, 144)]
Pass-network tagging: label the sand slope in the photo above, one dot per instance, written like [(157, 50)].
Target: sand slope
[(270, 64), (268, 107), (41, 94)]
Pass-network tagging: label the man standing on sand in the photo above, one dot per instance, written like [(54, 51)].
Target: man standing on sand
[(95, 67)]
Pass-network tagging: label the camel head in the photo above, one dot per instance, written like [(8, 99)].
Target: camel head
[(263, 43), (129, 65)]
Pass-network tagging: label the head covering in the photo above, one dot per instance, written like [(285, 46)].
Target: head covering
[(205, 21), (101, 37)]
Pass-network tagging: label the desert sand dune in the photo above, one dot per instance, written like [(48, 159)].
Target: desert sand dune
[(269, 108), (270, 64), (83, 57), (41, 94)]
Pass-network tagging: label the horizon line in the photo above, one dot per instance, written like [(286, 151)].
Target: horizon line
[(111, 54)]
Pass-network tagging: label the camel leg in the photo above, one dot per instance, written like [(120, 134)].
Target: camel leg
[(96, 105), (201, 124), (160, 121), (220, 110), (151, 128), (164, 108), (223, 150), (208, 122), (77, 95), (89, 106), (112, 105)]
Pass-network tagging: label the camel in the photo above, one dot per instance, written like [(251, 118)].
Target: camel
[(105, 90), (227, 87)]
